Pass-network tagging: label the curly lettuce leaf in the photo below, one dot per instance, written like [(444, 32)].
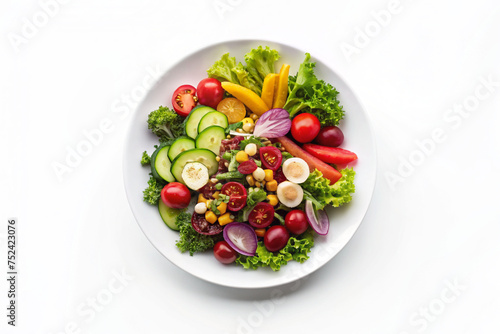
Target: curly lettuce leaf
[(259, 63), (152, 193), (306, 93), (325, 194), (222, 69), (296, 249), (246, 79)]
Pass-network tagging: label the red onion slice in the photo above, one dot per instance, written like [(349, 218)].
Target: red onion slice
[(317, 219), (241, 237)]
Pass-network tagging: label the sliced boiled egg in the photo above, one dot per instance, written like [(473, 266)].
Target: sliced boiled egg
[(290, 194), (296, 170)]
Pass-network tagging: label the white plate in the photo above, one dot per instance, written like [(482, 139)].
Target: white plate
[(344, 220)]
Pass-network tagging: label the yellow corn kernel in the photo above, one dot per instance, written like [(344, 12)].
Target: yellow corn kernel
[(272, 185), (210, 217), (258, 184), (254, 116), (250, 180), (247, 120), (241, 156), (273, 199), (202, 198), (222, 208), (216, 195), (225, 219), (269, 175)]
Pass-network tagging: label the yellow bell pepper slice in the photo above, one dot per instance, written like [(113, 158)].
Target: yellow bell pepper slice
[(268, 89), (245, 95), (281, 90)]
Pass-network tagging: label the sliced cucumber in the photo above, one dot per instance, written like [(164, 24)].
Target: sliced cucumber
[(168, 215), (180, 145), (202, 155), (160, 164), (210, 138), (213, 118), (192, 121)]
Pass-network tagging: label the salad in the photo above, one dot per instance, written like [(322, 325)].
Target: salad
[(248, 160)]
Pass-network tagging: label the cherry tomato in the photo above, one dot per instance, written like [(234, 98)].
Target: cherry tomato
[(262, 215), (176, 195), (296, 221), (305, 127), (224, 253), (330, 136), (271, 157), (210, 92), (237, 195), (184, 100), (276, 238)]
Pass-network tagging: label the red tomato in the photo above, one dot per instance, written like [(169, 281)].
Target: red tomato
[(331, 155), (184, 100), (276, 238), (296, 221), (271, 157), (210, 92), (305, 127), (237, 195), (176, 195), (330, 136), (262, 215), (224, 253)]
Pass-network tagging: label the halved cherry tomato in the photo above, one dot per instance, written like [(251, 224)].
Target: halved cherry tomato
[(237, 195), (184, 100), (224, 253), (271, 157), (210, 92), (262, 215)]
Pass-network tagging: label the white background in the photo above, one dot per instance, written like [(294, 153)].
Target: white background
[(437, 226)]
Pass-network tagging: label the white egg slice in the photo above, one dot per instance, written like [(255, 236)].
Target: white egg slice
[(290, 194), (195, 175), (296, 170)]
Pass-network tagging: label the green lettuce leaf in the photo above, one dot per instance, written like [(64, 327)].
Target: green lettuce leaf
[(256, 196), (222, 70), (306, 93), (296, 249), (325, 194), (259, 63)]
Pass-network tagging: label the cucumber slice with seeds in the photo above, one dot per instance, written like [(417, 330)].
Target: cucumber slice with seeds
[(160, 164), (213, 118), (210, 138), (168, 215), (202, 155), (180, 145), (192, 121)]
